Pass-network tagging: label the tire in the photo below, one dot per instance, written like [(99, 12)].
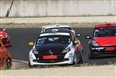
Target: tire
[(30, 66), (8, 64), (91, 55)]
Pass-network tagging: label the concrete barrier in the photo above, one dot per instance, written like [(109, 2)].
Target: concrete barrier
[(57, 7)]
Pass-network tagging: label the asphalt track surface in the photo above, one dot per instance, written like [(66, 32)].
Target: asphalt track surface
[(20, 37)]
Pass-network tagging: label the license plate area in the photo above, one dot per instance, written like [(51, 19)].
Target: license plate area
[(110, 49), (47, 57)]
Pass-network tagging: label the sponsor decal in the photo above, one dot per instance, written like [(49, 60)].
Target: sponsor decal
[(110, 49), (47, 34), (50, 57)]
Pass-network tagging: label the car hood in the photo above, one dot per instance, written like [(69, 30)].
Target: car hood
[(51, 48), (106, 41)]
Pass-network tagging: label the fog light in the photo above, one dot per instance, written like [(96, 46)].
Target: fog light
[(37, 58)]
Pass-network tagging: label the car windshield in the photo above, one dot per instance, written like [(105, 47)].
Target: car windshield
[(64, 28), (108, 31), (54, 40)]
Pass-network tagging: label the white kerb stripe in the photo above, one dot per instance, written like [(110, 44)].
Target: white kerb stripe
[(46, 34)]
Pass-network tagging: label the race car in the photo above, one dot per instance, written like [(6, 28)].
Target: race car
[(103, 40), (5, 57), (56, 26), (56, 47), (4, 34)]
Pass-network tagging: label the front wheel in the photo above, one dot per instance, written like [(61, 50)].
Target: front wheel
[(30, 66), (8, 64), (91, 55)]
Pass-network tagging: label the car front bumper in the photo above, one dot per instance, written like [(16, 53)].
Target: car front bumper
[(56, 63), (6, 41), (103, 50), (35, 61)]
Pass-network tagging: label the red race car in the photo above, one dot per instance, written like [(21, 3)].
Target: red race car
[(103, 40), (5, 57), (4, 34)]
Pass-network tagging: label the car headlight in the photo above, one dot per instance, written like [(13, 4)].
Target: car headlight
[(6, 35), (1, 35), (94, 43), (34, 51), (67, 49)]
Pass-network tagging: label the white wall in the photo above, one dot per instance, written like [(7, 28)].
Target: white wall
[(58, 7)]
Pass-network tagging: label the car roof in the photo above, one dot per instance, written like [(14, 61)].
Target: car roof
[(59, 31), (55, 26), (105, 25)]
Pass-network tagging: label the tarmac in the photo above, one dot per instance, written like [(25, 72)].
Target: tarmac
[(87, 19), (89, 71)]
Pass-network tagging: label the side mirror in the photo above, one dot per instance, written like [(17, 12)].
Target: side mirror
[(76, 42), (31, 43), (78, 35), (88, 37)]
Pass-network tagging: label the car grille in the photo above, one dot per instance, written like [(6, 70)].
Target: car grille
[(50, 61), (4, 40), (60, 58)]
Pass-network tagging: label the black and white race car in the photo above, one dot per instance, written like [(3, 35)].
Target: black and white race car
[(56, 47)]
